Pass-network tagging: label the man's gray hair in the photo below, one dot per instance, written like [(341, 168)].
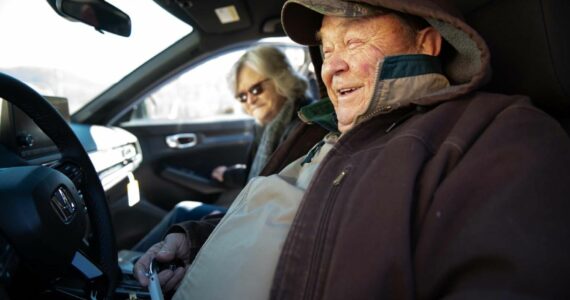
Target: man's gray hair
[(272, 63)]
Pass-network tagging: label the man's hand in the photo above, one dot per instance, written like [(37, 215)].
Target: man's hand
[(218, 173), (174, 246)]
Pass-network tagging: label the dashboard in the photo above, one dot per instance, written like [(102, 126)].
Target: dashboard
[(114, 152)]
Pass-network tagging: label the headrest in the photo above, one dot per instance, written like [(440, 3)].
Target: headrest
[(530, 49)]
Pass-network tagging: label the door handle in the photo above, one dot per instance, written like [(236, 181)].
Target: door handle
[(181, 140)]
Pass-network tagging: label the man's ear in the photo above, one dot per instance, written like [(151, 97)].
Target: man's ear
[(429, 41)]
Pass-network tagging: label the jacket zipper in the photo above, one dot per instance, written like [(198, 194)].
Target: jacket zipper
[(317, 256), (339, 178)]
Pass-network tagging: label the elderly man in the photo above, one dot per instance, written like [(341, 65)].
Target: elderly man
[(424, 188)]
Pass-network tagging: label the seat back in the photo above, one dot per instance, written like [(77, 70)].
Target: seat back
[(530, 49)]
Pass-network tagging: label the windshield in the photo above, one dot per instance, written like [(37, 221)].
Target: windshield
[(57, 57)]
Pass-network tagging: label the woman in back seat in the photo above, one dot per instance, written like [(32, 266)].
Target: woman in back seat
[(270, 91)]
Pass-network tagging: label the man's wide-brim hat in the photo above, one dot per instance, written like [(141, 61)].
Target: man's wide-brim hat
[(302, 19), (468, 63)]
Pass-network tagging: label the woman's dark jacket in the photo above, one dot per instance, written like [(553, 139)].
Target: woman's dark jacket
[(236, 176)]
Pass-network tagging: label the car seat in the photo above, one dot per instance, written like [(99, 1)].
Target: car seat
[(530, 49)]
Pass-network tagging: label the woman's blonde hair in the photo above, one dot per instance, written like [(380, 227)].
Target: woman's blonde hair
[(272, 63)]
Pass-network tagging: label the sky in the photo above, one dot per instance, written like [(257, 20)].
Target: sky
[(32, 34)]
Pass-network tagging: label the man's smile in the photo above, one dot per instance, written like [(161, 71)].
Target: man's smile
[(346, 93)]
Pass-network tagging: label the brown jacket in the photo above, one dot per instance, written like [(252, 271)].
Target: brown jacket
[(467, 200)]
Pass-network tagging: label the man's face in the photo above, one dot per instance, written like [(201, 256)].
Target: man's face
[(352, 48), (263, 102)]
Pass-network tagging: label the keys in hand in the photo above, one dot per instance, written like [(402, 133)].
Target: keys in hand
[(154, 284)]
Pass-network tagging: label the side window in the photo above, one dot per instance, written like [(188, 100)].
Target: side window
[(202, 93)]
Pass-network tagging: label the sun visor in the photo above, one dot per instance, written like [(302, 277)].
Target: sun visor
[(212, 16)]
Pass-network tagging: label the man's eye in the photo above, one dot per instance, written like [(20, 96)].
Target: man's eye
[(326, 47), (351, 44)]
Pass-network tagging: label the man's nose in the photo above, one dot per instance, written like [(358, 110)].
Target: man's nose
[(334, 65)]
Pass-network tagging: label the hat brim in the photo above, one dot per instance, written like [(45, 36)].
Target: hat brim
[(301, 23), (302, 19)]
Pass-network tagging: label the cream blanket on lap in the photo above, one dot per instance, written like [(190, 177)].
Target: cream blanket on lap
[(239, 258)]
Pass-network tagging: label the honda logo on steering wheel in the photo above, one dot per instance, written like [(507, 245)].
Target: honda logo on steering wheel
[(64, 204)]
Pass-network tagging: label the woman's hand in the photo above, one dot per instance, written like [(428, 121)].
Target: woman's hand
[(218, 173)]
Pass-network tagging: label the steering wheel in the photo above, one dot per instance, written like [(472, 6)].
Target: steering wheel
[(42, 212)]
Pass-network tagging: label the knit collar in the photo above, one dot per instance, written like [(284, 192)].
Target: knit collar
[(400, 80)]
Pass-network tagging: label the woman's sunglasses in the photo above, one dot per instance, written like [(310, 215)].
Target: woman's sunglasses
[(254, 90)]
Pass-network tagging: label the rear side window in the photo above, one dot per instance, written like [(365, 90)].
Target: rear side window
[(202, 93)]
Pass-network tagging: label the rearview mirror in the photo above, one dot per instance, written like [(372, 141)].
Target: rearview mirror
[(97, 13)]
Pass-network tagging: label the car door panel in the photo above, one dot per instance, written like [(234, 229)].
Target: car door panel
[(184, 173)]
